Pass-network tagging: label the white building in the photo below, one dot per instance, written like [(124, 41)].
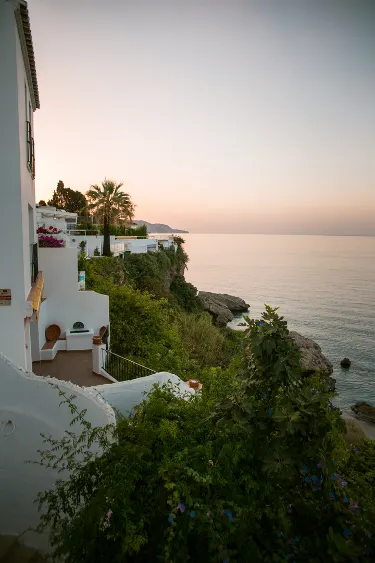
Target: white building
[(19, 98), (49, 216)]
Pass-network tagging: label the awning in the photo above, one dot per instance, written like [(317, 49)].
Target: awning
[(38, 294)]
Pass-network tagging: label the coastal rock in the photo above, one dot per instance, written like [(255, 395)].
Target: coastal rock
[(364, 411), (346, 363), (313, 360), (222, 306)]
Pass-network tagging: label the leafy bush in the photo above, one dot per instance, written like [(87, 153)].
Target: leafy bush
[(149, 272), (141, 329), (253, 468), (185, 294), (203, 341)]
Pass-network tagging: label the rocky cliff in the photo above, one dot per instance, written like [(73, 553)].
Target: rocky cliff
[(222, 306), (313, 360)]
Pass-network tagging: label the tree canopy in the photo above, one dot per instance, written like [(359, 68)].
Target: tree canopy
[(108, 201), (70, 200)]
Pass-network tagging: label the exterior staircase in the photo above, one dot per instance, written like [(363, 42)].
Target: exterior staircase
[(12, 550)]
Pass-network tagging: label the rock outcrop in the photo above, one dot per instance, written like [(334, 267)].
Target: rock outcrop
[(222, 306), (313, 361), (364, 411), (345, 363)]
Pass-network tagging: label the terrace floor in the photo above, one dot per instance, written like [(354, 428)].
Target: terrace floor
[(74, 366)]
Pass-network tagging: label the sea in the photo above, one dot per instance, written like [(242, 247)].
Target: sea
[(323, 285)]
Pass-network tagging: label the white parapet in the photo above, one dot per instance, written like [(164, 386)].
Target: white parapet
[(31, 406)]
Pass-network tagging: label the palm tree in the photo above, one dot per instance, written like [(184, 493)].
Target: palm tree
[(108, 201)]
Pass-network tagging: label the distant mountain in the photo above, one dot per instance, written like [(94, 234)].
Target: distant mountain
[(158, 227)]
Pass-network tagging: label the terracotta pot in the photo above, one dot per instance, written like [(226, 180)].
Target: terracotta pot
[(194, 383)]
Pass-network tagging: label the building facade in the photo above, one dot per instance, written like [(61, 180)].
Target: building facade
[(19, 99)]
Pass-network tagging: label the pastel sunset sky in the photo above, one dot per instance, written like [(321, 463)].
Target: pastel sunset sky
[(238, 116)]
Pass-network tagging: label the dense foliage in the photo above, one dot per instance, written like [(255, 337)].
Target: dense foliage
[(70, 200), (253, 468), (150, 322)]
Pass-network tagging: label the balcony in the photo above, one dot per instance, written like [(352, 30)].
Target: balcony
[(75, 367), (122, 369)]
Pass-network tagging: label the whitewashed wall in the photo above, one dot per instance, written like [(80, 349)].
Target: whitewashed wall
[(16, 190), (31, 403), (64, 304)]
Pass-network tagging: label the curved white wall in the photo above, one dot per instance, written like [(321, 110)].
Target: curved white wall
[(31, 403)]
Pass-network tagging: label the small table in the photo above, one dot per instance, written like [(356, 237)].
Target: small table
[(79, 340)]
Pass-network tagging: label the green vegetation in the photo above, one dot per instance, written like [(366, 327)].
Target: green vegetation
[(156, 319), (254, 468), (108, 201), (70, 200)]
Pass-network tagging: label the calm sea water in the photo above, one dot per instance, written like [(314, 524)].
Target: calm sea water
[(324, 286)]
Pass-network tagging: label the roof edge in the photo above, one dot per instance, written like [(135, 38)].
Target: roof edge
[(24, 31)]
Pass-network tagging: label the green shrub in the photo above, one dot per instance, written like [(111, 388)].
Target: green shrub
[(254, 468), (185, 294), (203, 341), (149, 272)]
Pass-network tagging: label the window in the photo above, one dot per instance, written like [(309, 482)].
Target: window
[(30, 150)]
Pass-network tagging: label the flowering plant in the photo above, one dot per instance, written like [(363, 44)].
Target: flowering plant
[(49, 241), (51, 230)]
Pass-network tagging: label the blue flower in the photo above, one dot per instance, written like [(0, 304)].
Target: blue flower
[(314, 478), (279, 534), (346, 500), (307, 479), (270, 411), (170, 519), (230, 516), (346, 532), (192, 514), (344, 483), (332, 495), (305, 468), (315, 489), (333, 477), (319, 465)]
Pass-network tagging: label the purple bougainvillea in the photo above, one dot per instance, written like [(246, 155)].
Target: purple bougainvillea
[(49, 241)]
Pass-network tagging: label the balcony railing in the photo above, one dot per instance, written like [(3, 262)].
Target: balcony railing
[(34, 262), (30, 149), (121, 368)]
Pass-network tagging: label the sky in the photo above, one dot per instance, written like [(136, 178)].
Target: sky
[(222, 116)]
